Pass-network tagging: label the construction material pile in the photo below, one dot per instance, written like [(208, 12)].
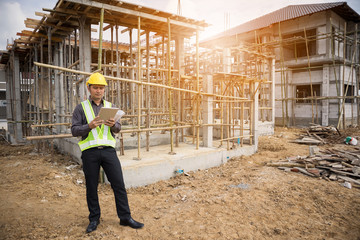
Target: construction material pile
[(316, 135), (333, 165)]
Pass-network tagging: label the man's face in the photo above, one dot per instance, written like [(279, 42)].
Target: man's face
[(96, 91)]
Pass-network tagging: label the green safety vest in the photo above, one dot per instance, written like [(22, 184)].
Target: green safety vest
[(97, 136)]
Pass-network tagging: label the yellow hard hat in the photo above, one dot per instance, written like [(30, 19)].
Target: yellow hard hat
[(96, 79)]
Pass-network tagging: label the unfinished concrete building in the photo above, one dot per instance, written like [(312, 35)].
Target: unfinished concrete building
[(183, 111), (316, 47)]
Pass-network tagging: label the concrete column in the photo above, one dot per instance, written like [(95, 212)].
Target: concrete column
[(207, 111), (84, 52), (17, 100), (36, 86), (9, 93), (328, 39), (57, 86), (61, 88), (325, 89)]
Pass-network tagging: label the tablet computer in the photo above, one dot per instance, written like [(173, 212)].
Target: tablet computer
[(107, 113)]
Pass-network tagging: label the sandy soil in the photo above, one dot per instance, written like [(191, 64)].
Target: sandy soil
[(42, 196)]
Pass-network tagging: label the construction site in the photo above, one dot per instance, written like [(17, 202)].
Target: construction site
[(208, 125)]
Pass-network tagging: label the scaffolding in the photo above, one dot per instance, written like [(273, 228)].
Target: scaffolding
[(160, 80), (342, 58)]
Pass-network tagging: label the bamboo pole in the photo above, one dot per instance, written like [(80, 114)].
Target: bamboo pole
[(316, 109), (170, 91), (71, 66), (358, 76), (72, 57), (343, 79), (100, 38), (282, 85), (148, 90), (140, 82), (49, 76), (117, 60), (311, 86), (242, 114), (322, 98), (163, 95), (197, 89), (251, 119), (36, 92), (30, 138), (342, 111), (50, 125), (112, 48), (134, 67), (228, 131), (139, 88), (42, 72)]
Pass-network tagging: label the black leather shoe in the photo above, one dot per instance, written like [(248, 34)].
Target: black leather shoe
[(131, 223), (92, 226)]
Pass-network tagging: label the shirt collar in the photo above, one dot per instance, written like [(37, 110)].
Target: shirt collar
[(93, 103)]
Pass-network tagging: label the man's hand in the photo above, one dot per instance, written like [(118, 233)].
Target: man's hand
[(110, 122), (95, 122)]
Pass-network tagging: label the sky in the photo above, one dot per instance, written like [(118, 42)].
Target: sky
[(13, 13)]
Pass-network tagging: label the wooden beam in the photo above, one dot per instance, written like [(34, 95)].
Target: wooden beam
[(107, 27), (23, 46), (41, 14), (125, 30), (135, 13), (57, 26), (32, 34), (64, 11)]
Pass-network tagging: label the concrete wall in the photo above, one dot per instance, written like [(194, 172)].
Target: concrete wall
[(2, 94), (327, 75)]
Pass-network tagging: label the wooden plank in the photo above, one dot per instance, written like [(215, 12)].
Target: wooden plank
[(349, 179), (32, 34), (319, 138), (137, 13), (289, 164), (339, 172), (304, 171)]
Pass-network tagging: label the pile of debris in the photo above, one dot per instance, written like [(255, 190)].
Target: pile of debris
[(333, 164), (315, 134)]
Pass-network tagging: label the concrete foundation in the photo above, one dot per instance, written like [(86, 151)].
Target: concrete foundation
[(157, 164)]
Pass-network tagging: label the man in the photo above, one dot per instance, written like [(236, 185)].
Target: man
[(98, 149)]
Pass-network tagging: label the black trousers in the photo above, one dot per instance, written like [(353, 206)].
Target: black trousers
[(92, 159)]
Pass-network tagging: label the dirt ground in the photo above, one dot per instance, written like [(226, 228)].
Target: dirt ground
[(42, 196)]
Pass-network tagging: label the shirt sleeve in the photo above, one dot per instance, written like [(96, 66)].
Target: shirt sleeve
[(116, 128), (79, 126)]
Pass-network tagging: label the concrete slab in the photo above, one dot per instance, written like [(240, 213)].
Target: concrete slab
[(158, 164)]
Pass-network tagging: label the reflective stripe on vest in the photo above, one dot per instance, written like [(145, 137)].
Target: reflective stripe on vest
[(97, 136)]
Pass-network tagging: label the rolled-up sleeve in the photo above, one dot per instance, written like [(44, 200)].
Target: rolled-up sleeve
[(79, 127)]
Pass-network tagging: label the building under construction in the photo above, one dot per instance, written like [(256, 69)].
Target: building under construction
[(317, 61), (186, 107)]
